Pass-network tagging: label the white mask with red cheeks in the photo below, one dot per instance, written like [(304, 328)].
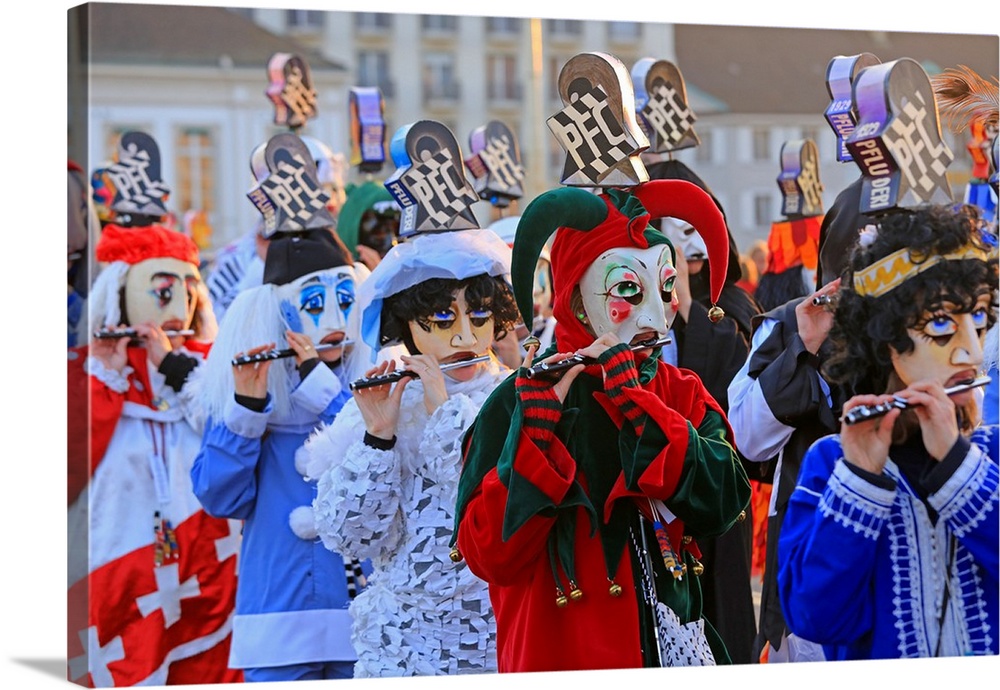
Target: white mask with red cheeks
[(630, 292)]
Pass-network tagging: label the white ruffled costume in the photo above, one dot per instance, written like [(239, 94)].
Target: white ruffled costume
[(420, 614)]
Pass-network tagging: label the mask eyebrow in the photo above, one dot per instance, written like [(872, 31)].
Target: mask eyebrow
[(166, 274), (623, 259)]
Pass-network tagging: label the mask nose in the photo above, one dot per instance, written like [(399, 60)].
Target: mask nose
[(464, 338), (178, 308), (968, 351), (652, 315)]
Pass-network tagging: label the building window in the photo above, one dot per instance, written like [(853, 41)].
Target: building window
[(304, 19), (556, 64), (564, 27), (372, 20), (761, 144), (811, 133), (373, 70), (624, 31), (439, 23), (503, 25), (762, 214), (439, 76), (501, 78), (703, 152), (195, 183)]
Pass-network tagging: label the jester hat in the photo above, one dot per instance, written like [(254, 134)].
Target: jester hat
[(586, 225)]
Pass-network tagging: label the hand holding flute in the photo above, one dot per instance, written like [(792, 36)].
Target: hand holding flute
[(382, 375), (866, 432), (110, 344), (554, 366), (275, 353), (863, 413)]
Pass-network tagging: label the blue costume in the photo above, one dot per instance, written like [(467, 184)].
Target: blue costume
[(903, 530), (291, 606)]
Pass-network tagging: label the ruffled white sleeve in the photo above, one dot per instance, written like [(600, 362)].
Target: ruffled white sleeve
[(357, 500), (442, 437)]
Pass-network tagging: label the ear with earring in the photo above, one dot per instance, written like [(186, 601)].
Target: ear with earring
[(581, 316)]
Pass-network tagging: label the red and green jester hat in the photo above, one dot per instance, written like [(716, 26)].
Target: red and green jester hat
[(549, 501)]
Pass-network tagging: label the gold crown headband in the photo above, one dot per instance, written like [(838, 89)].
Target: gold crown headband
[(894, 270)]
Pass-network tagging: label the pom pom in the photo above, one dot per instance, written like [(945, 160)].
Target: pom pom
[(302, 461), (867, 235), (303, 523)]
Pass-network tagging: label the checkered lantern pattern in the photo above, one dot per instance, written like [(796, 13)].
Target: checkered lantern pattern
[(594, 144), (667, 114), (923, 161), (440, 203)]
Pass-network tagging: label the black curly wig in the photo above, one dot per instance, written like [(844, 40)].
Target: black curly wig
[(419, 302), (865, 328)]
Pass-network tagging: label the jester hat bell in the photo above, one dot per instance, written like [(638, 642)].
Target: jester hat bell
[(586, 225)]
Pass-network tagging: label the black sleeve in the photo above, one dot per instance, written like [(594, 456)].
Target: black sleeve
[(307, 366), (175, 367), (251, 403)]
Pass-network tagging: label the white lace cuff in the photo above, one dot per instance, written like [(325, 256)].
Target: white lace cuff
[(115, 380)]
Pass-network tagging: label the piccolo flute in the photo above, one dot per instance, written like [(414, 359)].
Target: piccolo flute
[(398, 374), (863, 413), (821, 300), (268, 355), (563, 365), (132, 333)]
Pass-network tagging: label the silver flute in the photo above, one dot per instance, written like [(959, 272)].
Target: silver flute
[(104, 334), (398, 374), (268, 355), (863, 413), (822, 300), (552, 369)]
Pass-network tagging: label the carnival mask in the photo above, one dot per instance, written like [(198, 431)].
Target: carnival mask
[(460, 331), (630, 292), (686, 239), (948, 345), (318, 304), (162, 291)]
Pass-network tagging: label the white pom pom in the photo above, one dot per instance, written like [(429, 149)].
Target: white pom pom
[(867, 235), (302, 461), (303, 523)]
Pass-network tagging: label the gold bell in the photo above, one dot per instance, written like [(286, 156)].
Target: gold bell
[(715, 314), (575, 593), (742, 517), (561, 599), (455, 555), (615, 589), (697, 568)]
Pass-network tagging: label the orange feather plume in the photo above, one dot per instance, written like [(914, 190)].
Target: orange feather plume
[(964, 97)]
